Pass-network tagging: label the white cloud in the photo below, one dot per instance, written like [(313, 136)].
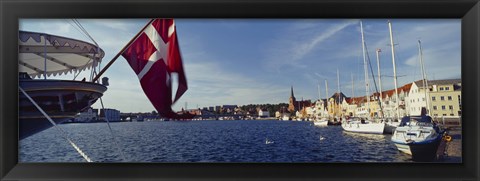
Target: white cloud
[(299, 41), (302, 49)]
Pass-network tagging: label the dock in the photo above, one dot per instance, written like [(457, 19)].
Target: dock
[(451, 151)]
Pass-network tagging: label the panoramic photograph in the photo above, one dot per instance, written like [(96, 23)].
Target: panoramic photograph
[(240, 90)]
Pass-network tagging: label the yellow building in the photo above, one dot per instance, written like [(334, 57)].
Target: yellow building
[(445, 97)]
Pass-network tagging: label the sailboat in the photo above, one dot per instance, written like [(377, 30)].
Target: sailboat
[(42, 55), (392, 124), (419, 136), (364, 125), (320, 120)]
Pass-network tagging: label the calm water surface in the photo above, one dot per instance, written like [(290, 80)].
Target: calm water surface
[(210, 141)]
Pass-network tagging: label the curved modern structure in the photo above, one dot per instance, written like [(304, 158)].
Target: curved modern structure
[(43, 55)]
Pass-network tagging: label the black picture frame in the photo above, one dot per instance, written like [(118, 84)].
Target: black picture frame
[(12, 11)]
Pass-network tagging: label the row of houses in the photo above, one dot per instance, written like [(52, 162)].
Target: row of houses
[(442, 98)]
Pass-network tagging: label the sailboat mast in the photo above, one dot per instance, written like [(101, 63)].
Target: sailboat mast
[(379, 73), (394, 67), (338, 90), (319, 95), (353, 93), (326, 95), (353, 89), (424, 75), (379, 76), (366, 72)]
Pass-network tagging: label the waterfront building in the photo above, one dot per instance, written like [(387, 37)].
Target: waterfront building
[(218, 109), (110, 114), (310, 111), (263, 113), (282, 112), (320, 108), (278, 114), (351, 104), (417, 98), (444, 98), (229, 108), (334, 104), (444, 101), (87, 116), (389, 102)]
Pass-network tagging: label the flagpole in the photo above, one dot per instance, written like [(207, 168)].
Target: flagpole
[(120, 52)]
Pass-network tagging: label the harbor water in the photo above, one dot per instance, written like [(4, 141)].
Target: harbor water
[(209, 141)]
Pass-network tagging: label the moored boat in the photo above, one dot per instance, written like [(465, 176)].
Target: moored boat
[(361, 125), (321, 122), (419, 137)]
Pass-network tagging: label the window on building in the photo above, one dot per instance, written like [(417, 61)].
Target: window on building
[(418, 99), (443, 107), (442, 98), (423, 99), (452, 115), (435, 114), (444, 114), (449, 98), (434, 107), (441, 88), (450, 107), (433, 98), (447, 88)]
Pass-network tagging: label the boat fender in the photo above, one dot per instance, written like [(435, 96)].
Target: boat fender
[(447, 138)]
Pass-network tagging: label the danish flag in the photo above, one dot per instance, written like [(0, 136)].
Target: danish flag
[(154, 56)]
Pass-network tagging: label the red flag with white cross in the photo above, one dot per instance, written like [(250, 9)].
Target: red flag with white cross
[(154, 56)]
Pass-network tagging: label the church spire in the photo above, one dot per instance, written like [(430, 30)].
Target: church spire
[(291, 105), (291, 94)]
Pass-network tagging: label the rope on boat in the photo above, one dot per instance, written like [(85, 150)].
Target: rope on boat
[(64, 134), (111, 132)]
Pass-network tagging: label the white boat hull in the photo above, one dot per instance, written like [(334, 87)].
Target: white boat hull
[(420, 151), (403, 148), (421, 142), (371, 128), (322, 122)]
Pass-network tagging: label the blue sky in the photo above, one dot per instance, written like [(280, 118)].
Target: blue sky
[(255, 61)]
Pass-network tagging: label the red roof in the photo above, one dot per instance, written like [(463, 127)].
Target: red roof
[(390, 92)]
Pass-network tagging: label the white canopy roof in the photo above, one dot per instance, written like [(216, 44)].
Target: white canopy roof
[(62, 55)]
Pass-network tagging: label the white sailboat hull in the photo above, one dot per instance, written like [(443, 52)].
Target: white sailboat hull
[(357, 127), (322, 122)]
